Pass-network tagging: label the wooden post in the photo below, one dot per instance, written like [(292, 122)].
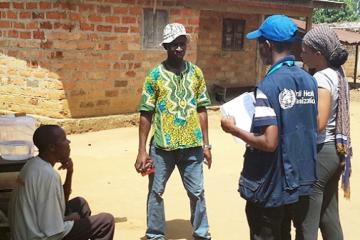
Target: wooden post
[(259, 64), (308, 23), (356, 62)]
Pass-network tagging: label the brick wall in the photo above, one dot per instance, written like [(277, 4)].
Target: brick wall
[(79, 58), (226, 66)]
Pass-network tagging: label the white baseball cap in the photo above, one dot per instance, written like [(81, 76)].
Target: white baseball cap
[(172, 31)]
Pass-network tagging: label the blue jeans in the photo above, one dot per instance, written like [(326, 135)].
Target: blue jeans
[(190, 164)]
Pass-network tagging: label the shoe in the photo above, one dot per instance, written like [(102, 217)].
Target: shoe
[(208, 237)]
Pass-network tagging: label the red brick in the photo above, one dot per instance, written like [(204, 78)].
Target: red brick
[(45, 5), (18, 5), (128, 1), (181, 20), (25, 14), (104, 46), (12, 53), (134, 29), (102, 28), (102, 102), (13, 33), (5, 24), (25, 35), (31, 5), (187, 12), (169, 3), (136, 11), (87, 27), (127, 20), (128, 56), (137, 65), (55, 15), (38, 35), (93, 37), (131, 74), (32, 25), (175, 11), (69, 27), (121, 10), (144, 2), (193, 21), (86, 104), (37, 15), (111, 93), (119, 65), (57, 54), (112, 19), (46, 25), (75, 16), (104, 9), (11, 15), (18, 25), (68, 6), (86, 7), (46, 44), (5, 5), (119, 83), (122, 29), (109, 38), (95, 18)]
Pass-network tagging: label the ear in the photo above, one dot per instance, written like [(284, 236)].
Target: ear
[(318, 53), (268, 44), (51, 147)]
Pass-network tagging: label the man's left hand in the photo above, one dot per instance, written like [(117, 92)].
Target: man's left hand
[(228, 124), (208, 157), (68, 165)]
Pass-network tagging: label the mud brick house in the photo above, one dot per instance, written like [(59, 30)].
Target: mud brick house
[(87, 58)]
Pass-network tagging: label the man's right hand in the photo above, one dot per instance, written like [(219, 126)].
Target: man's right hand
[(143, 161)]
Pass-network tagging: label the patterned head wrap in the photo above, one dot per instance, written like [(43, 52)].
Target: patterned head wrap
[(322, 39)]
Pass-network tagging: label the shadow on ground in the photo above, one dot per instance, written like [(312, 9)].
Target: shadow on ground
[(177, 229)]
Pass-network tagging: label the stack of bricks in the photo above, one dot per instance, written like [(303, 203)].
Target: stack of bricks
[(73, 59)]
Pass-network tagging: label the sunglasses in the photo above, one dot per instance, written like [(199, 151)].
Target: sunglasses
[(175, 45)]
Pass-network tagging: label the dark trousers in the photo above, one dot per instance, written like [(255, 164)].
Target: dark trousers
[(267, 223), (324, 206), (323, 210), (100, 226)]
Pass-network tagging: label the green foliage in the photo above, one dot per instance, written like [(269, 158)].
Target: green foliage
[(349, 13)]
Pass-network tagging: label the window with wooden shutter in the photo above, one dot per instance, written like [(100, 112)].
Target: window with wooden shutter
[(154, 24), (233, 34)]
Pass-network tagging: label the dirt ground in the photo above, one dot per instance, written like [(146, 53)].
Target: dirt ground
[(105, 176)]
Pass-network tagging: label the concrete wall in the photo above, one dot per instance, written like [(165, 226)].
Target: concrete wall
[(79, 58)]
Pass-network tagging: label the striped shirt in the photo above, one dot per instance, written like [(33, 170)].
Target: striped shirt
[(264, 113)]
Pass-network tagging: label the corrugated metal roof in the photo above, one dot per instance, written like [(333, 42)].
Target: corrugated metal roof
[(346, 37)]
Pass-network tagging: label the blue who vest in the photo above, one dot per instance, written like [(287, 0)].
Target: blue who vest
[(273, 179)]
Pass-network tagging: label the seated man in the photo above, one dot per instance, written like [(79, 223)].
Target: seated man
[(40, 206)]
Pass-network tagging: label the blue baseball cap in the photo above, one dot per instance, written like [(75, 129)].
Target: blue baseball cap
[(277, 28)]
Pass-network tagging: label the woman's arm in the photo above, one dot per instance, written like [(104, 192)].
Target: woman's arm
[(324, 108)]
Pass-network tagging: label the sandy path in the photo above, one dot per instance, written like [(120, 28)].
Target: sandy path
[(104, 174)]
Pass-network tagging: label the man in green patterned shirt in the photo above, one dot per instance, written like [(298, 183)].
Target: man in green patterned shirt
[(174, 101)]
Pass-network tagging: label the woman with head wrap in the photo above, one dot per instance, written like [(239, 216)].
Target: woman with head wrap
[(322, 51)]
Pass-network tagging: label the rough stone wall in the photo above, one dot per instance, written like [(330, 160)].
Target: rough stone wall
[(79, 58), (219, 66)]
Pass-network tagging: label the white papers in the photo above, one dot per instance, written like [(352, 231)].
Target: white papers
[(242, 109)]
